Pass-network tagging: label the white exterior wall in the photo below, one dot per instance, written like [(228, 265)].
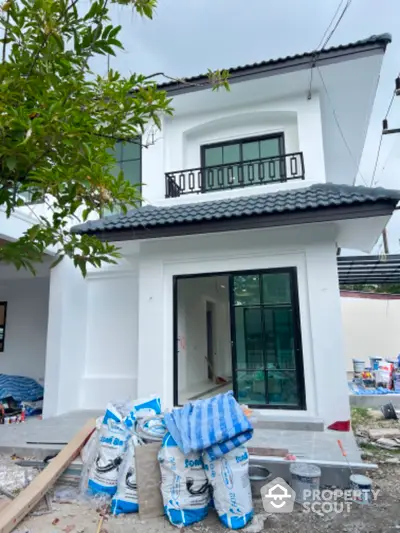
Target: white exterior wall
[(92, 340), (178, 145), (311, 250), (371, 329), (26, 327)]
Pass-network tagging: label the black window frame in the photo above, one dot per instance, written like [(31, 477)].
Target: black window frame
[(243, 140), (299, 357), (2, 346)]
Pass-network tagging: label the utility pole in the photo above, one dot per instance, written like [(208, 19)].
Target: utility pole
[(385, 241)]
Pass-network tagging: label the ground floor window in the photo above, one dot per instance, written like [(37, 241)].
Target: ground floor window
[(239, 331)]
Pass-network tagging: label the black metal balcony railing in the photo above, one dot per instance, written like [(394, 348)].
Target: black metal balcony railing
[(230, 176)]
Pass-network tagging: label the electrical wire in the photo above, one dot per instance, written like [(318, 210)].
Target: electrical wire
[(324, 41), (346, 7), (339, 127), (378, 153), (330, 23)]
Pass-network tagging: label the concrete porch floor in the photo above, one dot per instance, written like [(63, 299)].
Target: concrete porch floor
[(37, 437), (40, 438)]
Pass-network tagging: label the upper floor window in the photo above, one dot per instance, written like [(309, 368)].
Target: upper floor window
[(235, 164), (129, 159), (244, 161)]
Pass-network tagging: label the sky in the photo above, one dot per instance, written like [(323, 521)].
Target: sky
[(187, 37)]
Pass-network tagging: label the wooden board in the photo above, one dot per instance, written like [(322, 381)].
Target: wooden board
[(267, 452), (148, 477), (26, 500), (3, 504)]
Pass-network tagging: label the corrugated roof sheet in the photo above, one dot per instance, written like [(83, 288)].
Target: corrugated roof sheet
[(374, 40), (307, 198)]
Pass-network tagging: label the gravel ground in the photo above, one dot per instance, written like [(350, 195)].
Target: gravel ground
[(381, 516)]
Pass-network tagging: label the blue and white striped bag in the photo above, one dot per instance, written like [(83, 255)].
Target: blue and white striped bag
[(214, 426)]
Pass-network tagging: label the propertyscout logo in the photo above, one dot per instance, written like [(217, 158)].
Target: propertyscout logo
[(279, 497)]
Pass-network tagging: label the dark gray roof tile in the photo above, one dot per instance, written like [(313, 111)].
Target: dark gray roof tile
[(307, 198)]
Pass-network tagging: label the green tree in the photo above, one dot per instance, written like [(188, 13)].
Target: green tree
[(59, 122)]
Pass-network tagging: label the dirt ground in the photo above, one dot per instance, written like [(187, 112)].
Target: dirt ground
[(381, 516)]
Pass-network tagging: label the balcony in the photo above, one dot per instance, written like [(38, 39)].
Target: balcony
[(235, 175)]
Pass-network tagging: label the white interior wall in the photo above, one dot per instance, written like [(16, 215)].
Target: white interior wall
[(26, 327), (371, 328), (193, 295)]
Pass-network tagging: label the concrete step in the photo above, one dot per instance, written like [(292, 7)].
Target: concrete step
[(303, 423)]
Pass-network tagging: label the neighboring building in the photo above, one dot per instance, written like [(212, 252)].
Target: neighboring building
[(228, 276), (370, 325)]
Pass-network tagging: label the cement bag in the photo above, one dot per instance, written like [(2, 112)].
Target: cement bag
[(142, 408), (103, 474), (126, 497), (184, 485), (229, 478), (90, 448), (151, 429)]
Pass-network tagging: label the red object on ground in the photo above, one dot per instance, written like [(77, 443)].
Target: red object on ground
[(340, 425)]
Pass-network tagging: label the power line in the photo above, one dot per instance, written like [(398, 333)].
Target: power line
[(328, 38), (346, 7), (339, 127), (330, 23), (378, 153)]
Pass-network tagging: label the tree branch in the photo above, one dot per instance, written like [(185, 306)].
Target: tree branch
[(5, 37), (47, 37)]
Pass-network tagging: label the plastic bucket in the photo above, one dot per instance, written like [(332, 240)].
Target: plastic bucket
[(374, 361), (358, 366), (305, 480), (259, 476), (361, 487)]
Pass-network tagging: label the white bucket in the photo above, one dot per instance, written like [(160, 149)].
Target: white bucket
[(361, 487), (358, 365), (305, 480)]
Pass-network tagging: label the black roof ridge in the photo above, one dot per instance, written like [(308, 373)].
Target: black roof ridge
[(182, 84)]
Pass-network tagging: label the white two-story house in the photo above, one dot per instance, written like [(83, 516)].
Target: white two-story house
[(228, 278)]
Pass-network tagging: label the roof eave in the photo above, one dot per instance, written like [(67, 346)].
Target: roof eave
[(284, 66), (287, 218)]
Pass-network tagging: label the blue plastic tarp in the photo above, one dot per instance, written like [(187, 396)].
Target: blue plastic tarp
[(20, 388)]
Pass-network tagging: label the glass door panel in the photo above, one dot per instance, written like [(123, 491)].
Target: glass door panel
[(267, 358)]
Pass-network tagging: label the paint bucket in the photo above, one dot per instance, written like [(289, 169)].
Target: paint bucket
[(259, 476), (389, 412), (358, 366), (374, 361), (305, 480), (361, 487)]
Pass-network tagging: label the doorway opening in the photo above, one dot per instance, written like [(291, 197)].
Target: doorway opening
[(239, 331)]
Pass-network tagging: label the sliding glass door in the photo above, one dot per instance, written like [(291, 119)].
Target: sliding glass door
[(266, 340)]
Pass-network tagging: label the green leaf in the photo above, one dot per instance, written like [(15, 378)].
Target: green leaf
[(11, 162), (57, 261)]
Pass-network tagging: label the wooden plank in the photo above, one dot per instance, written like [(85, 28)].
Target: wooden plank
[(25, 502), (270, 452), (3, 504)]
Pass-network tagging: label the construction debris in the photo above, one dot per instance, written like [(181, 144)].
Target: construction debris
[(27, 499), (388, 444), (384, 433)]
